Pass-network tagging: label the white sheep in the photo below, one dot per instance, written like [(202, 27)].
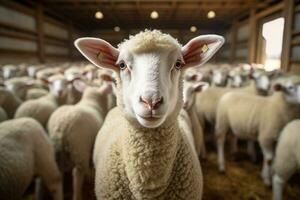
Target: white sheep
[(189, 94), (41, 108), (287, 157), (73, 129), (9, 71), (254, 117), (9, 102), (36, 93), (141, 152), (26, 152)]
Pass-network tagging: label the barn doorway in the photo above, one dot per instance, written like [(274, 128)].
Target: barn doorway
[(271, 43)]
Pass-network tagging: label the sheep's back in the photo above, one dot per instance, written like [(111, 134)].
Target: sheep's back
[(73, 130), (16, 155)]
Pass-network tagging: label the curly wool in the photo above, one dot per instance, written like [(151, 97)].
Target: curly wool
[(148, 40), (145, 163)]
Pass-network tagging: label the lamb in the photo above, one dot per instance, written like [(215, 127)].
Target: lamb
[(259, 118), (73, 129), (189, 94), (287, 159), (25, 152), (9, 102), (41, 109), (141, 152)]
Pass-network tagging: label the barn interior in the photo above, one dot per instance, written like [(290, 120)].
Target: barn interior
[(260, 35)]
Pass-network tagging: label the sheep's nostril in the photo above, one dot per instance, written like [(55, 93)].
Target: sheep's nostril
[(157, 103), (146, 102)]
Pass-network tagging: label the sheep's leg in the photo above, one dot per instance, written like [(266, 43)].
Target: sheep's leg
[(278, 185), (266, 170), (221, 156), (50, 175), (39, 189), (233, 144), (251, 150), (78, 178)]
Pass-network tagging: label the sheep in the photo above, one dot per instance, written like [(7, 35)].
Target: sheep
[(33, 69), (287, 157), (259, 118), (141, 152), (74, 95), (9, 71), (36, 93), (41, 108), (20, 85), (25, 152), (9, 102), (73, 129), (189, 93)]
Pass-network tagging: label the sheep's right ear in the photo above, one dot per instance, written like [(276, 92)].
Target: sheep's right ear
[(98, 51), (277, 87), (200, 49)]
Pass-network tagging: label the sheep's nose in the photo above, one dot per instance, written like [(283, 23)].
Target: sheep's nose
[(152, 104)]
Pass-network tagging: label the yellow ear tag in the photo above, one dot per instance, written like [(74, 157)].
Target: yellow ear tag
[(99, 56), (204, 48)]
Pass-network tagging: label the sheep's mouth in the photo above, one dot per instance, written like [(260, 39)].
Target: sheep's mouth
[(150, 118)]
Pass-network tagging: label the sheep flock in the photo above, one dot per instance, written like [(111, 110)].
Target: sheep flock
[(138, 121)]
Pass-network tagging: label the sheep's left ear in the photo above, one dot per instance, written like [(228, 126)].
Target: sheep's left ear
[(98, 51), (200, 49), (200, 87)]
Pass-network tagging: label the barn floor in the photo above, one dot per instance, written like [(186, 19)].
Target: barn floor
[(240, 182)]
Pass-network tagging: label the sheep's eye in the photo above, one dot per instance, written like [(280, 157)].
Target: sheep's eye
[(178, 64), (122, 65)]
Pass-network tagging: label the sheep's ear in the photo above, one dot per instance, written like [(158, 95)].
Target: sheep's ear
[(98, 51), (199, 87), (200, 49), (79, 85)]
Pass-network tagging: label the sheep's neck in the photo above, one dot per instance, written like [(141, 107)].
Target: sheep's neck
[(96, 100), (149, 156)]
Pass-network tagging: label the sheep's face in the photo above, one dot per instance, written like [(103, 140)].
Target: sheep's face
[(189, 92), (220, 77), (58, 87), (9, 71), (150, 84), (291, 92), (31, 71), (263, 82), (151, 81)]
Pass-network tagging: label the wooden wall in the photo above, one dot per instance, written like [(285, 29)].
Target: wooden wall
[(28, 33), (293, 39), (242, 38)]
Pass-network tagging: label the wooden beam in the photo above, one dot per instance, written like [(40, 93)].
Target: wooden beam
[(40, 32), (233, 40), (288, 13), (268, 11), (252, 43)]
